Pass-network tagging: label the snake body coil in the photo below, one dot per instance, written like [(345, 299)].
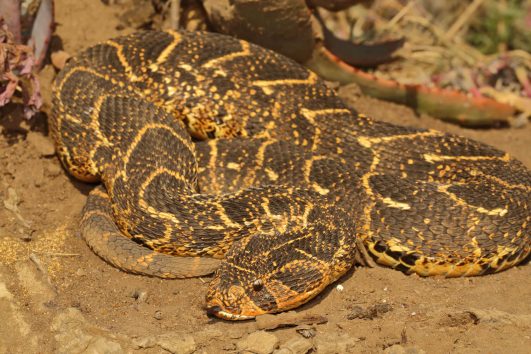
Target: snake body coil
[(292, 190)]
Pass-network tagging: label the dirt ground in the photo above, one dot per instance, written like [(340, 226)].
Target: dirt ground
[(57, 296)]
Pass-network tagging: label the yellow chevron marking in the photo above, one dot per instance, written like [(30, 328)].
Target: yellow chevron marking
[(431, 158), (123, 60), (166, 52), (367, 142), (217, 61), (267, 85)]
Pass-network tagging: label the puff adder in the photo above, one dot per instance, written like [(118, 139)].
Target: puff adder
[(217, 155)]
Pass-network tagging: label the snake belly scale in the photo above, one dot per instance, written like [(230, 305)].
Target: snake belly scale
[(217, 155)]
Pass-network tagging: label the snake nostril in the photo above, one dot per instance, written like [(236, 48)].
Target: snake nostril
[(258, 285)]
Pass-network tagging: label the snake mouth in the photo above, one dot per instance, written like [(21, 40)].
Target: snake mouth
[(217, 311)]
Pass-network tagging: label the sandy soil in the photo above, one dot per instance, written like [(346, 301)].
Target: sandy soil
[(57, 296)]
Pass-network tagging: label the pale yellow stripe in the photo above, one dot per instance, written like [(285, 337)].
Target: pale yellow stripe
[(217, 61), (367, 141)]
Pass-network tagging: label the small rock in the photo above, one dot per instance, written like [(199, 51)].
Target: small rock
[(25, 236), (158, 315), (370, 313), (356, 312), (289, 319), (41, 143), (139, 295), (260, 342), (177, 343), (380, 309), (295, 345), (306, 331), (458, 319), (399, 349)]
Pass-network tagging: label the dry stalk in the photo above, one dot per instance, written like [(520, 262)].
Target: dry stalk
[(403, 12), (463, 19), (175, 7)]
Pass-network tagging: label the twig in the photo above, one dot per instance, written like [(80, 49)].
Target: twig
[(363, 256), (174, 13), (58, 254), (399, 15), (33, 257), (463, 18), (465, 52)]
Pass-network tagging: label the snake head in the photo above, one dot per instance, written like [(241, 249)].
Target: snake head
[(268, 274)]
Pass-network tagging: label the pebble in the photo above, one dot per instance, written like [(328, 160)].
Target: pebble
[(295, 345), (356, 312), (139, 295), (306, 331), (458, 319), (259, 342), (158, 315), (289, 319), (372, 312)]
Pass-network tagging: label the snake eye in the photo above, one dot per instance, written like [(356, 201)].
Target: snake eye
[(258, 285)]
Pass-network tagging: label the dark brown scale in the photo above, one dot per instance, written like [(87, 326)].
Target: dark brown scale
[(293, 179)]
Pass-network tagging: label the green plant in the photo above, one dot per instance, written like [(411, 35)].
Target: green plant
[(501, 25)]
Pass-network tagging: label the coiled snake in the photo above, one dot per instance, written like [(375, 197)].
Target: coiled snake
[(294, 189)]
